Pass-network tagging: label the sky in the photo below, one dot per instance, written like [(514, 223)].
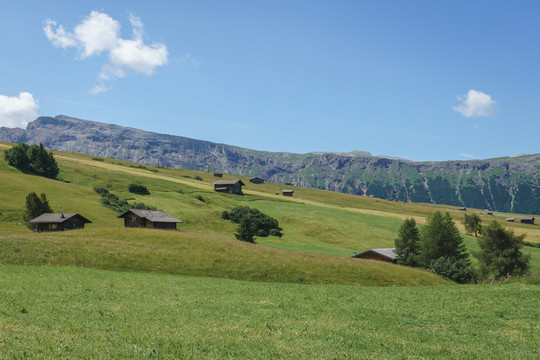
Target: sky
[(421, 80)]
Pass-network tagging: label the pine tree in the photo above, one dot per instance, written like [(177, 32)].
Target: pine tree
[(246, 231), (36, 206), (441, 238), (408, 243)]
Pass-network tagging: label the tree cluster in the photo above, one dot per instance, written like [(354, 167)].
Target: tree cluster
[(252, 222), (439, 247), (34, 159), (113, 202)]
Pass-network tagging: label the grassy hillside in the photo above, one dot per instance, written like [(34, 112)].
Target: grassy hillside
[(67, 313), (314, 221)]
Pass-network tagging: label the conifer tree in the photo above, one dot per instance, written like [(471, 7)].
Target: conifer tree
[(441, 238), (408, 243), (246, 231)]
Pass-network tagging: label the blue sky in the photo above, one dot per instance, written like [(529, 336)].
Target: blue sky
[(423, 80)]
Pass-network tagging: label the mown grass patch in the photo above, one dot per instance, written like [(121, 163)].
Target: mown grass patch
[(50, 312), (197, 254)]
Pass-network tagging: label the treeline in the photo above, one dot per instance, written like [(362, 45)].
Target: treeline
[(439, 247), (33, 159)]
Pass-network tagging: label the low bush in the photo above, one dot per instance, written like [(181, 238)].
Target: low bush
[(458, 270), (113, 202), (138, 189)]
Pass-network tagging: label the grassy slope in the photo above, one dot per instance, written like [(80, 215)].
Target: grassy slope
[(80, 313), (314, 221)]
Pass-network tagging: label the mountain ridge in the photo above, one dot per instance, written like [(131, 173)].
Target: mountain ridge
[(501, 184)]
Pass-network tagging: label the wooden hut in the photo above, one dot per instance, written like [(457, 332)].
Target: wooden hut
[(489, 212), (58, 222), (463, 209), (287, 192), (527, 220), (218, 174), (229, 186), (510, 219), (151, 219), (256, 180), (386, 255)]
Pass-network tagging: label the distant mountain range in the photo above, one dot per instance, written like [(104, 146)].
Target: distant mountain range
[(503, 184)]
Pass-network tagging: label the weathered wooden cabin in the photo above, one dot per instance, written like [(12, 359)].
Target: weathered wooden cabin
[(58, 222), (386, 255), (217, 174), (287, 192), (463, 209), (256, 180), (510, 219), (229, 186), (489, 213), (527, 220), (288, 183), (151, 219)]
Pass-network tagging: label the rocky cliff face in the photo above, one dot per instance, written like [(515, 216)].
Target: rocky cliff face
[(503, 184)]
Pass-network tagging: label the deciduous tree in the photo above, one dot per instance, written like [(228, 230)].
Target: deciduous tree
[(473, 224)]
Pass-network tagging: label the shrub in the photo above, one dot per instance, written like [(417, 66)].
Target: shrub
[(138, 189), (458, 270), (200, 198), (114, 203), (275, 232), (197, 177), (101, 190)]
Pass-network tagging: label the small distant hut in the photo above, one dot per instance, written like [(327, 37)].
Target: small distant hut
[(510, 219), (287, 192), (527, 220), (288, 183), (386, 255), (58, 222), (218, 174), (256, 180), (229, 186), (489, 212), (463, 209), (151, 219)]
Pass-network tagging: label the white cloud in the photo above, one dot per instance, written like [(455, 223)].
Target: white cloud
[(475, 103), (99, 33), (469, 156), (18, 111)]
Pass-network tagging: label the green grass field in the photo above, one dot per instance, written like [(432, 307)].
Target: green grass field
[(76, 313), (111, 292)]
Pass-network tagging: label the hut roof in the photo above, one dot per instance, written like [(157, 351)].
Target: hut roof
[(288, 191), (527, 218), (228, 182), (386, 252), (56, 218), (152, 215)]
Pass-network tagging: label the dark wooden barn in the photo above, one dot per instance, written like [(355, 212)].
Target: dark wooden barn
[(510, 219), (527, 220), (151, 219), (387, 255), (256, 180), (287, 192), (229, 186), (217, 174), (58, 222)]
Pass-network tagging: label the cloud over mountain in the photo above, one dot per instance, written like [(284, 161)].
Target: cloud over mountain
[(18, 111)]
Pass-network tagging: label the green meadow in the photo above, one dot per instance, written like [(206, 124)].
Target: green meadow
[(111, 292)]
